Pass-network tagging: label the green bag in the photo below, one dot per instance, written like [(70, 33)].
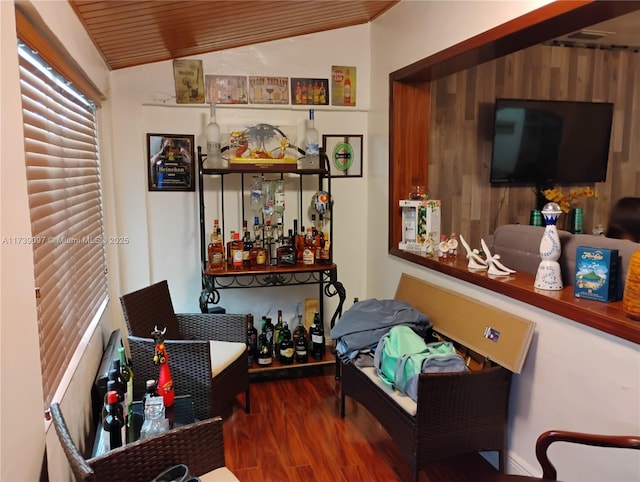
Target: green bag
[(401, 355)]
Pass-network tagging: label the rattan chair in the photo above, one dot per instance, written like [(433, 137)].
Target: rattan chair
[(196, 343), (199, 446)]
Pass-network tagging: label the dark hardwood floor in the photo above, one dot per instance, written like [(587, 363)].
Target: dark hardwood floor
[(294, 433)]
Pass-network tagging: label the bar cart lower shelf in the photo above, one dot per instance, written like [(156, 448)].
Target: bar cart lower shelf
[(278, 370)]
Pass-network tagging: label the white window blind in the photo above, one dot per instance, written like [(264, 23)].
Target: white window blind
[(63, 179)]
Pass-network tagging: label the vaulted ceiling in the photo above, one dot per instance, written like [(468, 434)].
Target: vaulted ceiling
[(135, 32)]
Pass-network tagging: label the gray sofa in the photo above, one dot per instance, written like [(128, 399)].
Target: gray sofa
[(519, 248)]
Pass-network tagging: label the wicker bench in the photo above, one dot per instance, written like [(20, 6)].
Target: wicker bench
[(456, 413)]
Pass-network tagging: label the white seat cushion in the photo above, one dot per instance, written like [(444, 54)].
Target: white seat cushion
[(405, 402), (222, 474), (223, 354)]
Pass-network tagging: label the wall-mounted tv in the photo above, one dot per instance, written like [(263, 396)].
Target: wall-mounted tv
[(543, 142)]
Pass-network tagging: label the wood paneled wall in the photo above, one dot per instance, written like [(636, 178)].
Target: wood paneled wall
[(462, 106)]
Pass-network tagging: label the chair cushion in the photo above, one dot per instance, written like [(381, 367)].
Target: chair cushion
[(223, 353), (403, 401), (222, 474)]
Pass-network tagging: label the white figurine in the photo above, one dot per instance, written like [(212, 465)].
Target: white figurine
[(475, 261), (495, 267)]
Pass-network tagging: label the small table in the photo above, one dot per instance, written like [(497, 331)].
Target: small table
[(180, 413)]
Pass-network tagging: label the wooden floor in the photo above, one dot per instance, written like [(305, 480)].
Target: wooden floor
[(294, 433)]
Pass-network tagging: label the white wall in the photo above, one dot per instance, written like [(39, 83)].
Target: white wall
[(575, 377)]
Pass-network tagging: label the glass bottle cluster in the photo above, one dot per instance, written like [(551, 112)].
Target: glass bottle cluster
[(269, 246), (278, 342)]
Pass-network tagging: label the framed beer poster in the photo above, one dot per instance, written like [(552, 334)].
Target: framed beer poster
[(170, 162), (268, 90), (345, 154)]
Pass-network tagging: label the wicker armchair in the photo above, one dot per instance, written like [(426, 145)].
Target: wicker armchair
[(191, 340), (199, 446)]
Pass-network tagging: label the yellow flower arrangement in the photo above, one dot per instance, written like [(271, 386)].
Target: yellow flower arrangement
[(566, 200)]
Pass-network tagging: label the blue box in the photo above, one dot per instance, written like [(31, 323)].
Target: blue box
[(597, 273)]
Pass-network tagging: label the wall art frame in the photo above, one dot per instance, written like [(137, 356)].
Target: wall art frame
[(170, 162), (345, 154)]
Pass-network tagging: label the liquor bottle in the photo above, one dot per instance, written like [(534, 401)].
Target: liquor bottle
[(216, 252), (113, 420), (309, 253), (286, 350), (347, 89), (286, 254), (127, 375), (277, 333), (317, 337), (325, 251), (312, 144), (278, 197), (213, 140), (268, 332), (300, 245), (265, 352), (151, 390), (236, 252), (228, 248), (303, 93), (316, 92), (301, 348), (252, 340), (116, 376), (299, 331), (323, 94), (247, 246), (258, 257)]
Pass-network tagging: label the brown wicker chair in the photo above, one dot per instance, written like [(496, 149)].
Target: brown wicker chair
[(199, 446), (187, 341)]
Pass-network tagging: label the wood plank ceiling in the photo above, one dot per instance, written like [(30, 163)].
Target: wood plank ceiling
[(136, 32)]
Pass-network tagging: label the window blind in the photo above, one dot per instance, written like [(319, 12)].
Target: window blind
[(63, 181)]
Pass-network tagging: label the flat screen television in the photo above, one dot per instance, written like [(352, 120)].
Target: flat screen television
[(544, 142)]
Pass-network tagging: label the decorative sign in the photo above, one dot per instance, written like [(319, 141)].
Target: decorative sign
[(189, 81), (268, 90), (309, 91), (226, 89), (171, 164), (343, 86), (345, 154)]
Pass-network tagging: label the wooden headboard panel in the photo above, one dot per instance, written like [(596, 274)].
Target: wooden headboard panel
[(485, 329)]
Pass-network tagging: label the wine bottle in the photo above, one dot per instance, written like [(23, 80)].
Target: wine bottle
[(268, 331), (115, 376), (252, 340), (286, 350), (317, 338), (277, 332), (302, 347), (113, 420), (312, 144), (213, 140), (127, 375), (247, 246), (265, 353)]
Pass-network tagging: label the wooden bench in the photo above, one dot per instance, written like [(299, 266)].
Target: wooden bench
[(455, 413)]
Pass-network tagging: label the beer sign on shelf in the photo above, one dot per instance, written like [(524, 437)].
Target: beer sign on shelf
[(343, 86)]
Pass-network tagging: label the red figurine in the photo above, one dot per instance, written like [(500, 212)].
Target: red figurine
[(165, 381)]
